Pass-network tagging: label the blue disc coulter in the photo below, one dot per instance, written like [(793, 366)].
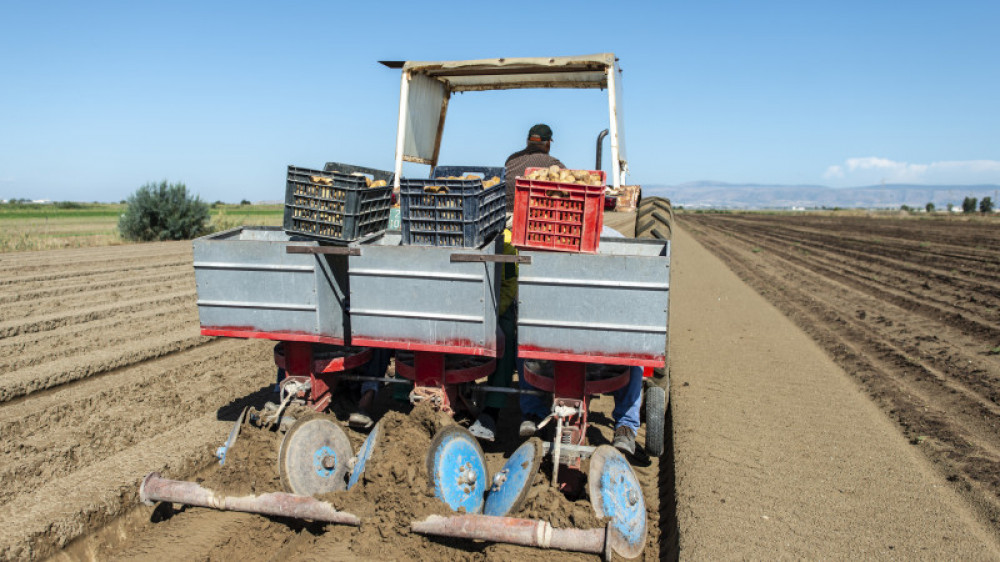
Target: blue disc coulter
[(457, 469), (615, 494), (510, 485)]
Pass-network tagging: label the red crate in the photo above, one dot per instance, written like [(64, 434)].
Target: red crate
[(550, 215)]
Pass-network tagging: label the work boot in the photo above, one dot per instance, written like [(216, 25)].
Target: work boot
[(485, 428), (528, 427), (624, 439), (361, 419)]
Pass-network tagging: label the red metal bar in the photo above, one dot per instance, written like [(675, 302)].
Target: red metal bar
[(334, 365), (298, 358), (321, 390), (429, 367), (569, 380), (455, 376), (530, 352), (525, 532), (459, 348), (155, 488), (250, 333)]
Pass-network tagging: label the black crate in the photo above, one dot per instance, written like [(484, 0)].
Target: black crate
[(486, 171), (467, 215), (343, 211)]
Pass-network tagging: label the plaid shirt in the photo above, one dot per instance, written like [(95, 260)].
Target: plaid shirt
[(517, 163)]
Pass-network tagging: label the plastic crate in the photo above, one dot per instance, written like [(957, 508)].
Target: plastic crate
[(343, 211), (551, 215), (466, 215), (486, 171)]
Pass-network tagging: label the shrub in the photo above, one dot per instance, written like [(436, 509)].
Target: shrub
[(986, 205), (245, 202), (163, 212), (929, 207)]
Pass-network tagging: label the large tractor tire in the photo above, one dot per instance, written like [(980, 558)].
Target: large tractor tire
[(654, 220)]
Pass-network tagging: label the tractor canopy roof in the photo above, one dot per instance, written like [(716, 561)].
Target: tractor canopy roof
[(426, 89)]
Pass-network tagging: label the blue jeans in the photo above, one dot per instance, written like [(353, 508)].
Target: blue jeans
[(628, 399)]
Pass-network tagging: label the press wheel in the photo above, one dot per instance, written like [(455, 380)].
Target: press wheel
[(314, 457)]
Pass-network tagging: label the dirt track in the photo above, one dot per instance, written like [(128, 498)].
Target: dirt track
[(104, 378)]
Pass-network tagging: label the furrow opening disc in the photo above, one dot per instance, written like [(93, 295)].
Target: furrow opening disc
[(457, 468), (313, 457), (363, 454), (615, 493), (509, 487)]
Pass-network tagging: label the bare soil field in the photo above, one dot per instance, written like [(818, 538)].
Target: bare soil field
[(909, 308), (105, 378)]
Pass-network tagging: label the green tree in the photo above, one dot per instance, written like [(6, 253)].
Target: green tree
[(163, 212), (969, 205), (929, 207), (986, 205), (245, 202)]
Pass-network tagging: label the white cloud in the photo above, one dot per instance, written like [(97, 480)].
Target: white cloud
[(871, 169)]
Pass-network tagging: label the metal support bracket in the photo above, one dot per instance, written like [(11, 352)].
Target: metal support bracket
[(331, 250), (493, 258)]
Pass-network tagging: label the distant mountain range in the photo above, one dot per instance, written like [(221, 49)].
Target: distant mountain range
[(719, 195)]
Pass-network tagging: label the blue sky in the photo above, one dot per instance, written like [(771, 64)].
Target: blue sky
[(99, 98)]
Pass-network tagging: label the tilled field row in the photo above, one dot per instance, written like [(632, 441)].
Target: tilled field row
[(52, 262), (83, 340), (953, 339), (925, 360), (106, 283), (17, 277)]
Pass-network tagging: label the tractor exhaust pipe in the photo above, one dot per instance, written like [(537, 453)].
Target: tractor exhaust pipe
[(525, 532), (155, 488)]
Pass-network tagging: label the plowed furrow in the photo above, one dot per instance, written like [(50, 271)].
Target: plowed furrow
[(69, 369), (62, 304), (210, 535), (12, 281), (134, 404), (883, 285), (958, 359), (96, 283), (56, 320), (34, 524), (925, 405), (26, 350), (900, 245), (89, 258), (987, 286)]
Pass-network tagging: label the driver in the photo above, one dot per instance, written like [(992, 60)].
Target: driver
[(534, 155)]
